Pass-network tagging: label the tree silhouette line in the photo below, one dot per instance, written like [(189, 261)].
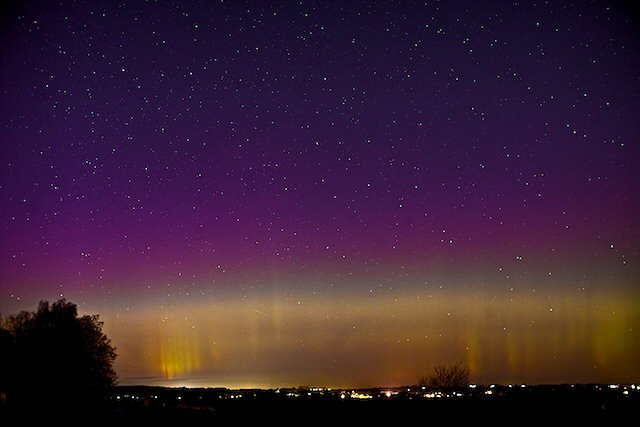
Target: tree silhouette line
[(53, 357), (447, 378)]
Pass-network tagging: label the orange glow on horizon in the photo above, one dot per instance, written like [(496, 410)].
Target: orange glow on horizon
[(364, 340)]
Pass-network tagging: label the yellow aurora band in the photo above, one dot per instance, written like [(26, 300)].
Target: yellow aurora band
[(364, 339)]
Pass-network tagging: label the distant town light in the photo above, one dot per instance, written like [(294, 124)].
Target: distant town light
[(355, 395)]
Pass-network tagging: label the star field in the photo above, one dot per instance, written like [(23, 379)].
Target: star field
[(333, 193)]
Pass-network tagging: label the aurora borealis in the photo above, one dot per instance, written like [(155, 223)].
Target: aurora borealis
[(265, 194)]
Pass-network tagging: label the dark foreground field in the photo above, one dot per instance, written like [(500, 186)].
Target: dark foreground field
[(543, 404), (499, 411)]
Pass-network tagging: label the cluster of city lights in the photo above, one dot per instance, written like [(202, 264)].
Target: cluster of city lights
[(368, 394)]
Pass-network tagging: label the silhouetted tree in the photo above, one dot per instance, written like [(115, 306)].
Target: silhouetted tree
[(447, 377), (54, 357)]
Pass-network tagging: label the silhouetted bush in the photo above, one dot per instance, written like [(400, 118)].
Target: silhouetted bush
[(53, 357), (447, 377)]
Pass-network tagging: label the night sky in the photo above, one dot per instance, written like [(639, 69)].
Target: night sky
[(328, 193)]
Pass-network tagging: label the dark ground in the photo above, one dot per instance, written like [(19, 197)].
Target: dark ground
[(177, 407), (375, 412)]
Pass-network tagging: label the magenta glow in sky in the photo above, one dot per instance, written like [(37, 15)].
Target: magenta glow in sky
[(278, 193)]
